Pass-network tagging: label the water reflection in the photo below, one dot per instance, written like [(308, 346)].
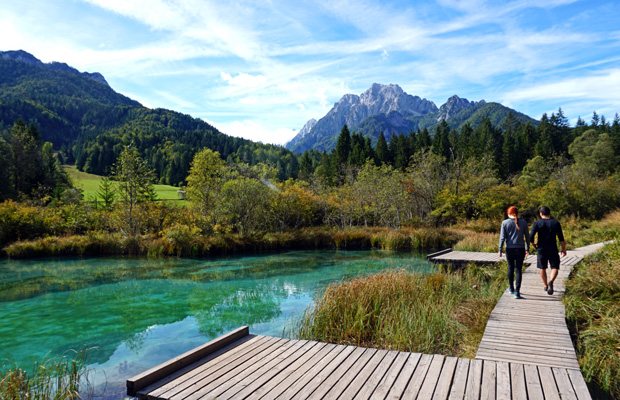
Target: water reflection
[(140, 312)]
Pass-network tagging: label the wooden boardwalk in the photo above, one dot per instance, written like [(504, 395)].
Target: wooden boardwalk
[(533, 330), (526, 353), (243, 366)]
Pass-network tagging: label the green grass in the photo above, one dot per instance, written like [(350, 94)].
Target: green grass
[(593, 311), (89, 184), (443, 312), (49, 379)]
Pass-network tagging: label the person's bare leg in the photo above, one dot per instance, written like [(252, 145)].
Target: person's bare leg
[(543, 275), (554, 274)]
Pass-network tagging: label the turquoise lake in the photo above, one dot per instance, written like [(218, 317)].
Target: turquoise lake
[(136, 313)]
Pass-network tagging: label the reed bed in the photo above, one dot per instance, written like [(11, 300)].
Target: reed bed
[(442, 312), (592, 303), (188, 241), (50, 379), (478, 241)]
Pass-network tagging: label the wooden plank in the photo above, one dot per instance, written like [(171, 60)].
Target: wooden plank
[(527, 359), (140, 381), (489, 382), (312, 384), (336, 356), (363, 375), (547, 382), (545, 345), (222, 354), (503, 388), (519, 348), (262, 375), (433, 255), (384, 386), (213, 366), (294, 372), (445, 379), (351, 374), (517, 381), (281, 371), (457, 391), (430, 381), (532, 382), (397, 390), (579, 384), (373, 380), (327, 384), (415, 384), (215, 371), (220, 385), (474, 380), (564, 386)]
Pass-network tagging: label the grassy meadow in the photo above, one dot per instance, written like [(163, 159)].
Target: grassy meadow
[(89, 184)]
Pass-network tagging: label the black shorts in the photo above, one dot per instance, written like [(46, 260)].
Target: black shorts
[(553, 259)]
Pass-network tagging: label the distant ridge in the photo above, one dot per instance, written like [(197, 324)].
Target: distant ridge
[(388, 109), (23, 56)]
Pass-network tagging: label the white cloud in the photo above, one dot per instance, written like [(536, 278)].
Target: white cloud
[(600, 86), (257, 132), (244, 80), (175, 102)]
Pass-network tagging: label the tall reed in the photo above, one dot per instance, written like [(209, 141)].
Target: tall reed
[(431, 313), (49, 379), (593, 311)]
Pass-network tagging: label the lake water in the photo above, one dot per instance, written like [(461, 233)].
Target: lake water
[(137, 313)]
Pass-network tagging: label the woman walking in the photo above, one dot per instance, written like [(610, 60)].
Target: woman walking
[(517, 238)]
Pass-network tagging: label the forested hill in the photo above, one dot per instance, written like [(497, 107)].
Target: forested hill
[(87, 121)]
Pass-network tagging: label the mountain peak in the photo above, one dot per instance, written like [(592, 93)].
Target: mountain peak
[(453, 106), (24, 56), (352, 109)]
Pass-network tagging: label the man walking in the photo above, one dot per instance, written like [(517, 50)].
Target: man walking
[(548, 229)]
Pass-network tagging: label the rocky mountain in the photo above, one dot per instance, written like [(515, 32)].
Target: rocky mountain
[(20, 55), (303, 132), (353, 110), (453, 106), (388, 109)]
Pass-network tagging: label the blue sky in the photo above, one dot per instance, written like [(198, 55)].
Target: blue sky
[(261, 69)]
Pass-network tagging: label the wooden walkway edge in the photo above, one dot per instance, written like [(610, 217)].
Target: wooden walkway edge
[(525, 353), (262, 367)]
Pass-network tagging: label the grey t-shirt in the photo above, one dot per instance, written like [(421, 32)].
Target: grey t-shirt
[(513, 237)]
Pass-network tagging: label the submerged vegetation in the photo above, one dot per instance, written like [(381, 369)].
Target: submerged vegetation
[(443, 313), (65, 378)]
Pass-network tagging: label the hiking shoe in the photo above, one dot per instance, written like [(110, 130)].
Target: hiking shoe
[(518, 296), (550, 291)]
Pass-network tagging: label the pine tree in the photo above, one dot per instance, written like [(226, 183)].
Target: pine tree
[(424, 140), (306, 169), (441, 141), (343, 147), (546, 137), (401, 158), (595, 120), (106, 192), (135, 182), (508, 153), (382, 153)]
